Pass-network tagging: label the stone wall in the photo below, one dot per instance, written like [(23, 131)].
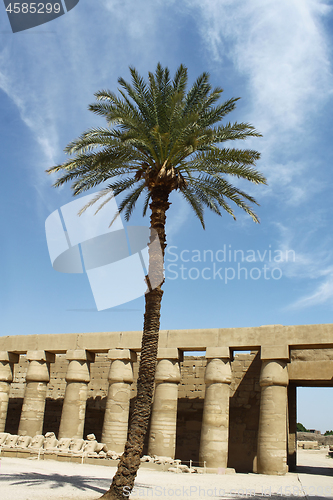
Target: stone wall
[(244, 412), (244, 404), (191, 393)]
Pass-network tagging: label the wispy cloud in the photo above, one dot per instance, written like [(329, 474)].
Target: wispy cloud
[(313, 265), (323, 293), (282, 50), (51, 72), (280, 46), (34, 95)]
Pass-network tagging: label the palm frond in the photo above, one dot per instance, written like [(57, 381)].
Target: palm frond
[(96, 198), (128, 203), (190, 196), (235, 131)]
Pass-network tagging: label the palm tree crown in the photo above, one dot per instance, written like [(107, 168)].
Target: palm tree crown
[(161, 136)]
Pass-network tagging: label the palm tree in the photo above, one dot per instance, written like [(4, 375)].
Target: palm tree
[(159, 139)]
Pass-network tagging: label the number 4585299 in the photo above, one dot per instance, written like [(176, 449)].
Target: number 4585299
[(33, 8)]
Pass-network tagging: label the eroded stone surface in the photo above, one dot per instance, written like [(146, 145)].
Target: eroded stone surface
[(272, 434), (37, 442), (116, 415), (162, 437)]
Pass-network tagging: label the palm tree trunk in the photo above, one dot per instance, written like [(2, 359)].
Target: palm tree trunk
[(123, 480)]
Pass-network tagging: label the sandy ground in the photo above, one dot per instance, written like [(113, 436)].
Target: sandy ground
[(23, 479)]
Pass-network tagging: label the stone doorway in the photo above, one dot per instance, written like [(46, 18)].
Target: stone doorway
[(311, 405)]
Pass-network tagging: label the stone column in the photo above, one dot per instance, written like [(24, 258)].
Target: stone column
[(162, 436), (215, 419), (7, 360), (115, 426), (272, 434), (37, 378), (75, 399)]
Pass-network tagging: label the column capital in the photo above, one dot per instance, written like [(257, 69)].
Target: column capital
[(218, 352), (121, 371), (48, 357), (218, 371), (80, 355), (167, 371), (122, 354), (274, 372), (9, 357)]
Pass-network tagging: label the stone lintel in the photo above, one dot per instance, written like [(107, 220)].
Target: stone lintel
[(48, 357), (11, 357), (80, 355), (318, 372), (217, 352), (125, 354), (168, 353), (274, 352)]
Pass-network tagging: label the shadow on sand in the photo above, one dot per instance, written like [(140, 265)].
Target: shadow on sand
[(54, 481), (317, 471)]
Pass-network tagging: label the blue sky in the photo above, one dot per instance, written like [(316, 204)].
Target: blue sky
[(276, 56)]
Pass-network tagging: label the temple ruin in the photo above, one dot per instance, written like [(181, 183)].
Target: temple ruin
[(224, 409)]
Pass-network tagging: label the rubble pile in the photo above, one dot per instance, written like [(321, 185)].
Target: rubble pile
[(175, 465)]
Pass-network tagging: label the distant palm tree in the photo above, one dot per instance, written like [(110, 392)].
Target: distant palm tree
[(159, 139)]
